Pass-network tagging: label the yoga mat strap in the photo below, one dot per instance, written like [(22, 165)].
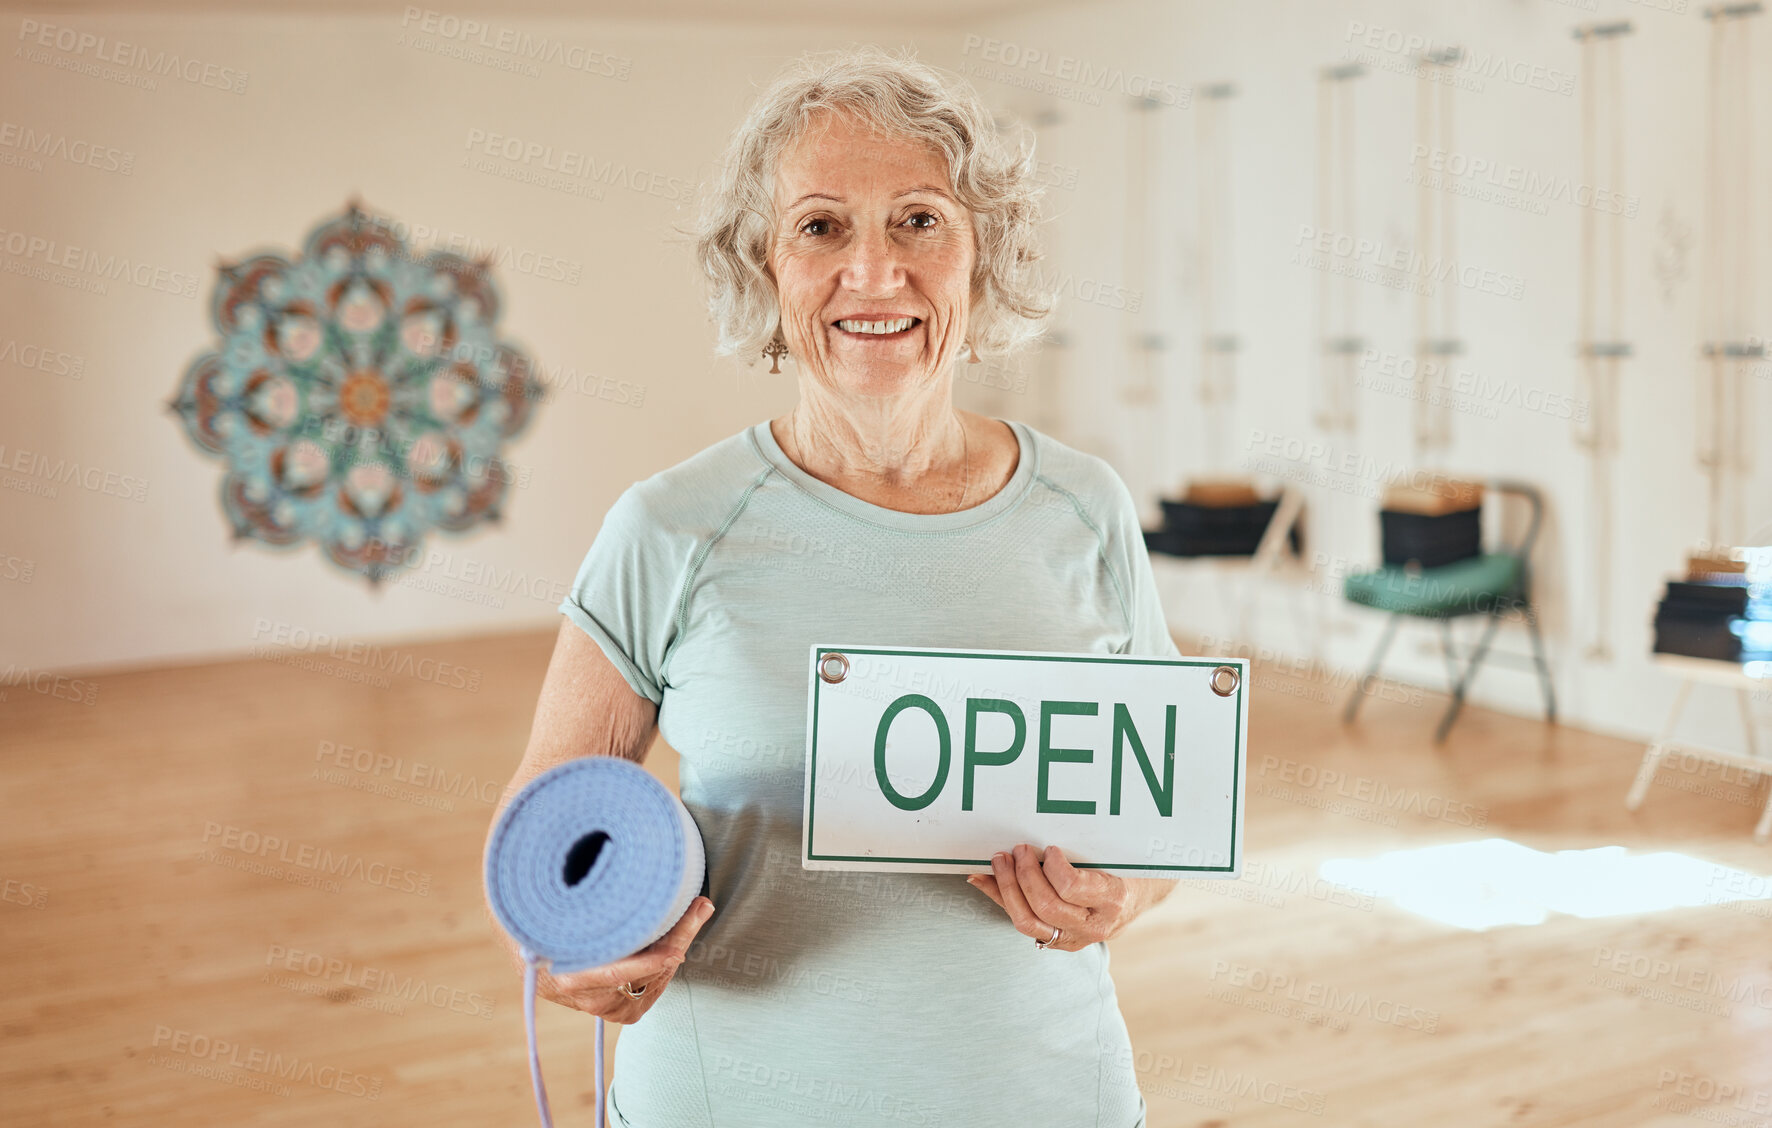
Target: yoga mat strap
[(591, 862)]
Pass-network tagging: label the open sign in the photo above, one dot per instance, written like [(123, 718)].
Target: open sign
[(931, 760)]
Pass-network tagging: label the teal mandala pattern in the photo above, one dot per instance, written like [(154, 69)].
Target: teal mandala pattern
[(359, 396)]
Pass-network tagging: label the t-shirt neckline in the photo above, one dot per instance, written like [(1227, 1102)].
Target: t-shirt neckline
[(763, 439)]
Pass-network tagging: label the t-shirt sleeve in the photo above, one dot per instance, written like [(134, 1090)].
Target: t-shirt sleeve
[(1126, 551), (625, 592)]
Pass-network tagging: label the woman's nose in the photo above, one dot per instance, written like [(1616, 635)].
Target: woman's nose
[(871, 262)]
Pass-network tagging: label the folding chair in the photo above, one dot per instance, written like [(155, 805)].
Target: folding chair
[(1492, 584)]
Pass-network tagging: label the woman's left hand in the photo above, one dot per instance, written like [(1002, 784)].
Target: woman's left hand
[(1043, 892)]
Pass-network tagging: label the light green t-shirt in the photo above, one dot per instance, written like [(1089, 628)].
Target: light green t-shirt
[(816, 997)]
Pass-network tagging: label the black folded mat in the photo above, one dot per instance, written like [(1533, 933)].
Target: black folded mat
[(1202, 530), (1430, 541)]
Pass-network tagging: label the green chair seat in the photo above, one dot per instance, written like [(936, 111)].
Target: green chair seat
[(1468, 587)]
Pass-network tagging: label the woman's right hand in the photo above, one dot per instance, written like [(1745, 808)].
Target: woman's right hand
[(597, 990)]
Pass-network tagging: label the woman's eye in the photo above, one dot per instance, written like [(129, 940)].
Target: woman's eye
[(921, 221)]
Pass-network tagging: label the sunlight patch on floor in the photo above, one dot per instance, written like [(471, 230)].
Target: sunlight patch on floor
[(1483, 884)]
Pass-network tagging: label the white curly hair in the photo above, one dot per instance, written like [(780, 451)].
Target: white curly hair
[(902, 98)]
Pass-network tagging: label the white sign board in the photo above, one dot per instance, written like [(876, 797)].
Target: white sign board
[(931, 760)]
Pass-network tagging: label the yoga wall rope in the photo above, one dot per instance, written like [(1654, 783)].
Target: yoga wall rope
[(1436, 329), (1217, 386), (1338, 339), (1601, 348), (591, 862), (1144, 163), (1725, 449)]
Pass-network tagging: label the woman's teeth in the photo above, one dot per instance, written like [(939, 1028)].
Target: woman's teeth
[(898, 326)]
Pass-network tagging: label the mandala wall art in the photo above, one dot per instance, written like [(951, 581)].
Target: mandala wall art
[(359, 395)]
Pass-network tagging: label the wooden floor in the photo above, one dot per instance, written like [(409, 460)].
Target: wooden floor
[(150, 974)]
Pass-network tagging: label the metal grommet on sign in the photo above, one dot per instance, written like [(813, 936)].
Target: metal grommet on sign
[(1224, 680), (833, 667)]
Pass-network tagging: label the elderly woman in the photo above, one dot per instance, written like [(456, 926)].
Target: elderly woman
[(869, 227)]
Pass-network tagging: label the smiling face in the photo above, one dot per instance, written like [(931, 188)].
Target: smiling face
[(872, 258)]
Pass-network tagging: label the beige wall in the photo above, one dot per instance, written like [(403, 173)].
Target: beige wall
[(1521, 349), (335, 106)]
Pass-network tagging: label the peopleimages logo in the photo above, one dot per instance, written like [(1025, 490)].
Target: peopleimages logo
[(317, 859), (49, 684), (126, 56), (223, 1053), (299, 641), (519, 45), (323, 969), (415, 773), (1409, 800), (50, 472), (59, 146), (96, 265), (1530, 183), (1331, 999), (1395, 373), (1480, 64), (1081, 72), (1339, 246), (570, 165), (42, 359)]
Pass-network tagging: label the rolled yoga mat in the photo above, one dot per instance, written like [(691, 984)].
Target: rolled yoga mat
[(591, 862)]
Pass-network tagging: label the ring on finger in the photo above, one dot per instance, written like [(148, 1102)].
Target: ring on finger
[(628, 990), (1049, 941)]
